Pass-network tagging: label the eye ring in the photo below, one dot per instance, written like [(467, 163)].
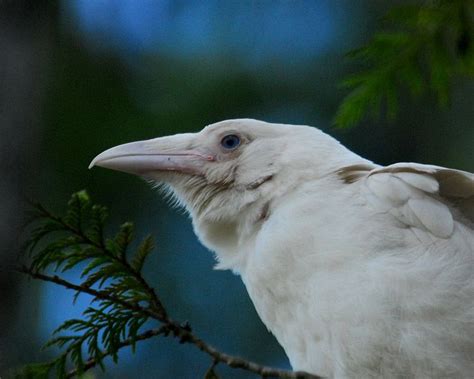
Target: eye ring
[(230, 142)]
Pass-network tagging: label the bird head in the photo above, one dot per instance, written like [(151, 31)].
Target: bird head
[(228, 174)]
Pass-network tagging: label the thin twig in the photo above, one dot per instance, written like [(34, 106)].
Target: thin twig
[(183, 333)]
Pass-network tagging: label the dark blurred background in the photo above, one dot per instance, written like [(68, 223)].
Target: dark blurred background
[(79, 76)]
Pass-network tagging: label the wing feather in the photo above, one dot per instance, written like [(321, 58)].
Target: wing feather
[(426, 197), (434, 215)]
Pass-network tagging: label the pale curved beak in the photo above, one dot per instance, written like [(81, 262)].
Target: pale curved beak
[(144, 158)]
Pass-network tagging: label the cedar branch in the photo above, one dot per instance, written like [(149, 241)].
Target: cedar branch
[(182, 332)]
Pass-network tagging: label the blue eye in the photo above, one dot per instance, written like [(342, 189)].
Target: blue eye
[(230, 142)]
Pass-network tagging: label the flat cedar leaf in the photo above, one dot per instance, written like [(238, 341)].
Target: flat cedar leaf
[(118, 245), (93, 264), (79, 327), (59, 341), (359, 53), (112, 246), (123, 238), (35, 371), (143, 250), (77, 206), (357, 79), (134, 325), (390, 93), (93, 344), (69, 324), (60, 366), (98, 216), (72, 261), (76, 357), (406, 15), (92, 279), (81, 197), (432, 18), (383, 47), (111, 271), (45, 228), (128, 283), (351, 111), (410, 76), (356, 105), (53, 253), (390, 40)]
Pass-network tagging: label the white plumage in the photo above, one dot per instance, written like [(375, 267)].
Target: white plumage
[(360, 271)]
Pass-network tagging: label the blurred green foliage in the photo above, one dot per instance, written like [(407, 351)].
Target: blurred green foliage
[(429, 45)]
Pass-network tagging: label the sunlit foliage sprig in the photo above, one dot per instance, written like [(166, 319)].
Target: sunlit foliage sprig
[(122, 301), (426, 47)]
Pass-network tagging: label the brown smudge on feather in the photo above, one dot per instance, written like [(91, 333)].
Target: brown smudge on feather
[(257, 183), (352, 174)]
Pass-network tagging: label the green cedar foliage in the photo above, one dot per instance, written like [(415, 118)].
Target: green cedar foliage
[(121, 299), (427, 46)]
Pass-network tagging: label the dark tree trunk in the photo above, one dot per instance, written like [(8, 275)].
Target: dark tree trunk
[(27, 30)]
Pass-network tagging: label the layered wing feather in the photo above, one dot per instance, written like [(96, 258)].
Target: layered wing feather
[(426, 197)]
